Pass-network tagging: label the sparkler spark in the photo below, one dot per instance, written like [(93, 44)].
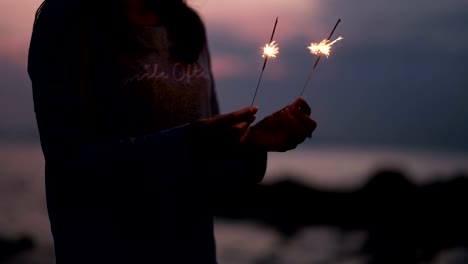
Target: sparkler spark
[(270, 50), (323, 48)]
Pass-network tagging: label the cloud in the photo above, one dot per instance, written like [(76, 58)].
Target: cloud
[(378, 21), (254, 20)]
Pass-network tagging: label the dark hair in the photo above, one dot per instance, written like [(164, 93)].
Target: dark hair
[(185, 28), (186, 31)]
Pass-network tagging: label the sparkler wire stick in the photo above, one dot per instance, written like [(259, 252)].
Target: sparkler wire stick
[(265, 62), (318, 59)]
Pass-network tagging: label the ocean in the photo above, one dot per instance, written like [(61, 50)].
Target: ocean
[(23, 209)]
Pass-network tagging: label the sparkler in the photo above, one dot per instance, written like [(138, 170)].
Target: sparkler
[(322, 48), (269, 51)]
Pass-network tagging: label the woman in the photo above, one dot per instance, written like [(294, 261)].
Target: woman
[(135, 148)]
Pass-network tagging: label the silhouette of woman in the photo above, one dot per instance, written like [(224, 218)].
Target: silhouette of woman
[(132, 137)]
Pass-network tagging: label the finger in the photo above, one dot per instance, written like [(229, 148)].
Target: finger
[(299, 131), (289, 130), (251, 120), (271, 122), (244, 115), (241, 128), (288, 145), (302, 105), (235, 133), (309, 125), (295, 127)]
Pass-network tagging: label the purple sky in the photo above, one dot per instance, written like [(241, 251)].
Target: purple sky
[(398, 77)]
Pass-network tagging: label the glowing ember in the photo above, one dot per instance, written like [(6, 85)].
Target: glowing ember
[(270, 50), (323, 48)]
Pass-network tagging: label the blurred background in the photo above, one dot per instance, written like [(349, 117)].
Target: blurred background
[(384, 178)]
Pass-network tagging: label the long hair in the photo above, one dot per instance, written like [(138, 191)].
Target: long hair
[(186, 30), (185, 27)]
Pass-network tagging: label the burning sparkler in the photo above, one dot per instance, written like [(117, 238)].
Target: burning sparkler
[(269, 51), (322, 48)]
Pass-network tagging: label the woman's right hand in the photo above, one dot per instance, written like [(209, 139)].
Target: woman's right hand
[(223, 129)]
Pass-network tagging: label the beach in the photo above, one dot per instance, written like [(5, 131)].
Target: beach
[(23, 209)]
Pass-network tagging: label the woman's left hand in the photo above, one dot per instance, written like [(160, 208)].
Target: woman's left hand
[(283, 130)]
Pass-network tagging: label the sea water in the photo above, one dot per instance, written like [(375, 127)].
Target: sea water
[(23, 208)]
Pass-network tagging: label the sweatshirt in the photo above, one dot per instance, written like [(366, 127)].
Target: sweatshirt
[(126, 179)]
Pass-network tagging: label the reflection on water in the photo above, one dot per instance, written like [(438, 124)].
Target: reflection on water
[(346, 168), (244, 242), (23, 210)]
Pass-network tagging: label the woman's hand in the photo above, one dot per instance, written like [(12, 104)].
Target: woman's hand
[(282, 130), (223, 129)]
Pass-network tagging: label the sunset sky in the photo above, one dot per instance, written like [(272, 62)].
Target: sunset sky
[(399, 76)]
